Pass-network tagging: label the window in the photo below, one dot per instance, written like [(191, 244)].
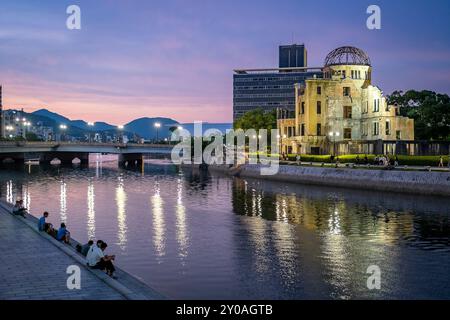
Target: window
[(302, 111), (347, 133), (353, 74), (347, 112), (319, 129), (319, 90), (376, 105), (343, 74), (388, 128), (346, 91), (319, 107), (302, 129), (364, 129), (376, 128), (398, 135)]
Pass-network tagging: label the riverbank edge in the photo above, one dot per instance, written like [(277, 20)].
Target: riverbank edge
[(128, 285), (412, 182)]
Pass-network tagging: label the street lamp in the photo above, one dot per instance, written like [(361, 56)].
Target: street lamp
[(333, 135), (120, 128), (90, 124), (62, 127), (157, 126)]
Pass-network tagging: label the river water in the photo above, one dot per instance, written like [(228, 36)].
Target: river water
[(192, 235)]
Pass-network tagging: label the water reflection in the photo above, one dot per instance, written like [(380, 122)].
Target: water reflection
[(91, 210), (63, 201), (158, 221), (9, 192), (121, 201), (217, 237), (182, 237)]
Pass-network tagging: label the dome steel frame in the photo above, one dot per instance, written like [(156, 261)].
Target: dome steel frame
[(347, 56)]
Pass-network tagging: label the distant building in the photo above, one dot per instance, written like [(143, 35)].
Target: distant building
[(342, 107), (272, 89), (292, 56)]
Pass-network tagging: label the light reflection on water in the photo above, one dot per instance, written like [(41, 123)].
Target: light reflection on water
[(191, 235)]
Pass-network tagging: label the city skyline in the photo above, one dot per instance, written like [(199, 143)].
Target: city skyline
[(176, 60)]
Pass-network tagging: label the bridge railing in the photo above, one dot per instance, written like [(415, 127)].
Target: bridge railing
[(52, 144)]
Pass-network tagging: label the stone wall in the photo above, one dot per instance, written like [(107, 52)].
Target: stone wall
[(417, 182)]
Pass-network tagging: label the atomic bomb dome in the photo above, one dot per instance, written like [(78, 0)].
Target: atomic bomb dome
[(347, 56)]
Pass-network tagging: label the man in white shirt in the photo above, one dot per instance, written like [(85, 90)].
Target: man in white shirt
[(96, 259)]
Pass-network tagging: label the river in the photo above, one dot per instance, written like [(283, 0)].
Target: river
[(193, 235)]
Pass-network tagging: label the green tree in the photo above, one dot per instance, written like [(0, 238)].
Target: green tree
[(257, 119), (430, 111)]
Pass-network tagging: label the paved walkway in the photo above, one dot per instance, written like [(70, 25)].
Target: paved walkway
[(32, 268)]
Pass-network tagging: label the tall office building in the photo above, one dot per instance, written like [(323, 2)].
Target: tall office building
[(293, 56), (273, 88)]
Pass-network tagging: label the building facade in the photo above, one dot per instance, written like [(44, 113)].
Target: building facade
[(2, 123), (272, 89), (342, 107)]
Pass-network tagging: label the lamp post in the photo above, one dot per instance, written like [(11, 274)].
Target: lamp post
[(91, 125), (333, 135), (157, 126), (62, 128), (120, 137)]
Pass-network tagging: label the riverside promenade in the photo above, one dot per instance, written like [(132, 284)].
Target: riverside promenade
[(33, 267)]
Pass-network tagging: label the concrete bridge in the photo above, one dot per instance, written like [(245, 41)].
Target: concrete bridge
[(66, 152)]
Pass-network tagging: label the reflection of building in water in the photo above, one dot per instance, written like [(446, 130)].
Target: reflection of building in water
[(335, 216), (121, 200), (158, 221), (9, 192), (91, 210), (63, 201), (26, 197), (182, 237)]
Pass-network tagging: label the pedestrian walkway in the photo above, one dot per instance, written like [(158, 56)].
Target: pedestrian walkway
[(32, 268)]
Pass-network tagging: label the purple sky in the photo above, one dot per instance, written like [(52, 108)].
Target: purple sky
[(175, 58)]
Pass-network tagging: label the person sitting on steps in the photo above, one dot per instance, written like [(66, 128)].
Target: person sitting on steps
[(96, 258), (19, 209), (63, 234)]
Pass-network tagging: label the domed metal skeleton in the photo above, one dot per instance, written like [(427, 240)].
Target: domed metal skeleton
[(347, 56)]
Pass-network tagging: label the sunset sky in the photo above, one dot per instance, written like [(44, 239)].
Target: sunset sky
[(176, 58)]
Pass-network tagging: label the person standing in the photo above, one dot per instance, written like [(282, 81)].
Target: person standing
[(441, 162)]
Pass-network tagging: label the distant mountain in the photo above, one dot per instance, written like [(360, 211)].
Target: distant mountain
[(51, 115), (145, 127)]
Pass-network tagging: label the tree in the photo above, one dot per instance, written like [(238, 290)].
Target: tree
[(430, 111), (257, 119)]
